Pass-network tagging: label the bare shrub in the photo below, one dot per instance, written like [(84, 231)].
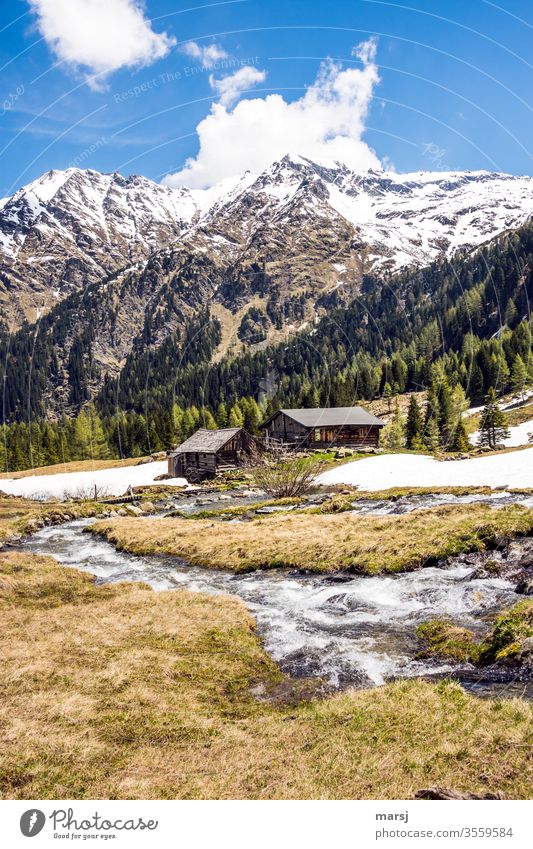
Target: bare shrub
[(286, 477), (86, 492)]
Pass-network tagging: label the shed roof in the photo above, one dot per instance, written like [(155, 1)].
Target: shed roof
[(330, 417), (207, 441)]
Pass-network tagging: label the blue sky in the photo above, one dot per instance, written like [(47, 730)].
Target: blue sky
[(142, 88)]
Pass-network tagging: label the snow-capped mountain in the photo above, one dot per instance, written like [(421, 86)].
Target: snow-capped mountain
[(70, 228), (399, 219), (314, 228)]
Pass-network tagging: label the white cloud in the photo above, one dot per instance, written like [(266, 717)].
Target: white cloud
[(208, 54), (100, 35), (229, 88), (326, 124)]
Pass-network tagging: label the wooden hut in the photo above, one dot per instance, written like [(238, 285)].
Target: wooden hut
[(321, 427), (207, 452)]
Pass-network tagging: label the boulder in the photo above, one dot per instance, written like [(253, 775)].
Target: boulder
[(147, 507), (525, 585), (133, 510), (526, 648)]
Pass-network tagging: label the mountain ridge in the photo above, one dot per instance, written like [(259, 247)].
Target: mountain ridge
[(70, 228)]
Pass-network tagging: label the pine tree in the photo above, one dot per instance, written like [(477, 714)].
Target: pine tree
[(519, 376), (493, 428), (459, 404), (476, 384), (460, 438), (431, 420), (431, 434), (445, 414), (511, 313), (414, 424)]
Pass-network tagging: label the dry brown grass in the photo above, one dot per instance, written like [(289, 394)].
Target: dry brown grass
[(322, 542), (74, 466), (18, 514), (121, 692), (515, 416)]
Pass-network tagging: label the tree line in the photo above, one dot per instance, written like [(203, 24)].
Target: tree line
[(457, 329)]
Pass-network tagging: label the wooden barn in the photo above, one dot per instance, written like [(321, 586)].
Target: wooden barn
[(207, 452), (320, 427)]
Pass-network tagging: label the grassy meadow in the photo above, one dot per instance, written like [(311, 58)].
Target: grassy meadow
[(122, 692), (322, 541)]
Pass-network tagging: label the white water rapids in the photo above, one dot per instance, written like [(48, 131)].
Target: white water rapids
[(346, 629)]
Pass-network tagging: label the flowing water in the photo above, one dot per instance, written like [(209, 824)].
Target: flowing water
[(346, 629)]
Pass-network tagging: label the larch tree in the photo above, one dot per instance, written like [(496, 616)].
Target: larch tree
[(519, 376)]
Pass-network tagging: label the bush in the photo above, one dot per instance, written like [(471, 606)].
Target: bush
[(288, 477)]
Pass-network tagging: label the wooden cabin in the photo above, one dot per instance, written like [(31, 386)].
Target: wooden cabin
[(207, 452), (322, 427)]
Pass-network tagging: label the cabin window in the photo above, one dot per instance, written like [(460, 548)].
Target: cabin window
[(317, 434)]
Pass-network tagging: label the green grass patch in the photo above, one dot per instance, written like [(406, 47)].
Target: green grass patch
[(504, 639), (324, 541)]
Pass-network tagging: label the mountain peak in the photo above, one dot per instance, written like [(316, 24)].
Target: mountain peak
[(74, 226)]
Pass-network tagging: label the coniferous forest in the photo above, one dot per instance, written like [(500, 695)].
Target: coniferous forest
[(457, 328)]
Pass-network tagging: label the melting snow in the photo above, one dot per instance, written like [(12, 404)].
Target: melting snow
[(110, 481), (518, 435), (391, 470)]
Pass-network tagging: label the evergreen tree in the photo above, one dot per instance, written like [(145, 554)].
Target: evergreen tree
[(476, 384), (414, 425), (460, 438), (511, 313), (519, 376), (394, 433), (459, 404), (493, 428), (431, 434), (431, 420), (445, 414)]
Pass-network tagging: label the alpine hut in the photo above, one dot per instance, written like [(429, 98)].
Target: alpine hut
[(320, 427), (207, 452)]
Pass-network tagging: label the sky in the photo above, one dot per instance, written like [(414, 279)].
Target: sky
[(190, 93)]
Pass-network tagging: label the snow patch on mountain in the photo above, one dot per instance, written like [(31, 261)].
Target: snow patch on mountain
[(73, 227)]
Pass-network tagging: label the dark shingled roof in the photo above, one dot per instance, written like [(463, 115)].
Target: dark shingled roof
[(330, 417), (207, 441)]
